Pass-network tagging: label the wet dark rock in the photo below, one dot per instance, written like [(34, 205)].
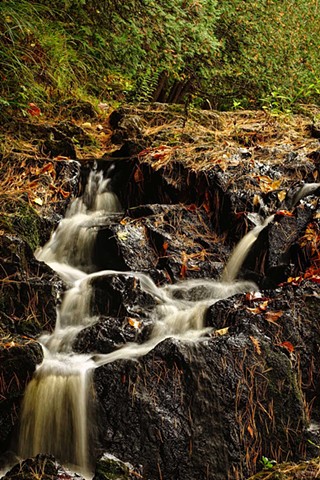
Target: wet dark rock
[(110, 467), (19, 357), (184, 242), (169, 242), (277, 254), (110, 333), (287, 314), (116, 247), (118, 295), (201, 410), (28, 289), (42, 467)]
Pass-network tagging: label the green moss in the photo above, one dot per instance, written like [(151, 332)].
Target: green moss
[(19, 218), (111, 468)]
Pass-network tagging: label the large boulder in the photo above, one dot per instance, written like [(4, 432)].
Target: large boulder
[(19, 357), (209, 409)]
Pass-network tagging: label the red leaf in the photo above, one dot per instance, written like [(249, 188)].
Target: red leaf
[(165, 247), (284, 213), (288, 346), (183, 271), (34, 110)]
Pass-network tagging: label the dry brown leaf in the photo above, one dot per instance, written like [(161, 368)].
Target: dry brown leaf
[(256, 200), (256, 344), (133, 322), (273, 316), (64, 193), (263, 306), (255, 310), (138, 176), (222, 331), (282, 195), (253, 296)]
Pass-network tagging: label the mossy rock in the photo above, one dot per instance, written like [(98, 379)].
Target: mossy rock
[(110, 467), (19, 218)]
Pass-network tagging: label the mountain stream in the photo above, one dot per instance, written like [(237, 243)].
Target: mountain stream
[(57, 412)]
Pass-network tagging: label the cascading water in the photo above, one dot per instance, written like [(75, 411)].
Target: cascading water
[(56, 411)]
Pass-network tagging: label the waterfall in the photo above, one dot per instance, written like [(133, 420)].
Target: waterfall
[(56, 409), (241, 251), (57, 406)]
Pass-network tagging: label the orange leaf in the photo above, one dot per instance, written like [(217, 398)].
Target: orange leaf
[(288, 346), (256, 344), (165, 246), (183, 271), (255, 310), (295, 280), (138, 176), (284, 213), (250, 430), (133, 322), (64, 193), (273, 316)]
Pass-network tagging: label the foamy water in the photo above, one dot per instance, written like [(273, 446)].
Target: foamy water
[(57, 410)]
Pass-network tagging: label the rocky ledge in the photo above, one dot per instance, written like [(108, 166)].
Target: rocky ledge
[(192, 184)]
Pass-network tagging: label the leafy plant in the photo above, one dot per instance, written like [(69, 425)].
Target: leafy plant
[(266, 463)]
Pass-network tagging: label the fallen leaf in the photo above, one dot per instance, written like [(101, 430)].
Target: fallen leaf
[(222, 331), (183, 271), (138, 176), (38, 201), (273, 316), (122, 236), (255, 310), (282, 195), (64, 193), (253, 296), (256, 344), (295, 280), (284, 213), (315, 278), (250, 430), (263, 306), (34, 110), (165, 247), (133, 322), (288, 346)]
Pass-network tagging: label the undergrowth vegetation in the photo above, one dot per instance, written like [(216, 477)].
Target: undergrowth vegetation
[(228, 54)]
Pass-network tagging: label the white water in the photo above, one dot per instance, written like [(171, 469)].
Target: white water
[(241, 251), (56, 411)]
